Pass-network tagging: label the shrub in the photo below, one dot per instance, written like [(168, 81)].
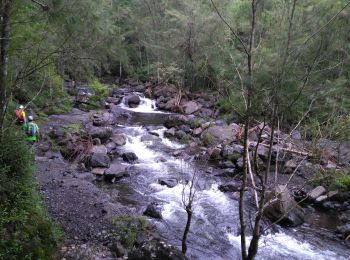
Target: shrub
[(25, 230), (342, 182), (130, 228), (100, 92)]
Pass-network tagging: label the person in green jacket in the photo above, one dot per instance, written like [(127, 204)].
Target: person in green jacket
[(32, 130)]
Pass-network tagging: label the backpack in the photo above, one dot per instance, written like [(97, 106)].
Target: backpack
[(19, 114), (32, 129)]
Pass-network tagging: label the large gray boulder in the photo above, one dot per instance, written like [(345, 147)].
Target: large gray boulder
[(119, 139), (132, 100), (169, 182), (219, 134), (153, 211), (99, 160), (115, 171), (175, 121), (191, 107), (129, 157), (102, 133), (282, 207)]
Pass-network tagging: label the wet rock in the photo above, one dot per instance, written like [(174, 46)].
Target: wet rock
[(116, 171), (110, 146), (103, 133), (169, 182), (331, 205), (153, 211), (344, 230), (170, 132), (104, 119), (132, 100), (175, 121), (150, 138), (119, 139), (321, 199), (120, 113), (191, 107), (156, 250), (229, 172), (318, 191), (283, 207), (263, 152), (99, 149), (99, 160), (129, 157), (230, 187)]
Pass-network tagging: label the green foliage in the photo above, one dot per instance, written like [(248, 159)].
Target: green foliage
[(341, 182), (25, 230), (100, 92), (130, 228), (207, 139)]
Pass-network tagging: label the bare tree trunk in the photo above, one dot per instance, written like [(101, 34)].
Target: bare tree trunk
[(187, 229), (5, 9)]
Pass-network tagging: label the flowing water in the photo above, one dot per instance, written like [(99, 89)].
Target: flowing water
[(215, 224)]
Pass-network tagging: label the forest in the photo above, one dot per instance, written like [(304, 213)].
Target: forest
[(254, 99)]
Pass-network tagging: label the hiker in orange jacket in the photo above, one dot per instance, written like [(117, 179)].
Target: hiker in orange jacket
[(20, 115)]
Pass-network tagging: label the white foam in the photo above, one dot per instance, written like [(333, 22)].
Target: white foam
[(282, 245), (146, 105)]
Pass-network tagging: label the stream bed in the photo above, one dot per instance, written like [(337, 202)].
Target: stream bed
[(214, 230)]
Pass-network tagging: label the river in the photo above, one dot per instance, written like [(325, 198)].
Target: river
[(215, 226)]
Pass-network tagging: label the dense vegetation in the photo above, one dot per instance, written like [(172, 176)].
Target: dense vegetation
[(301, 65)]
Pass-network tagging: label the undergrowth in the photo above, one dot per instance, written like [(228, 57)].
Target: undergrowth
[(26, 231)]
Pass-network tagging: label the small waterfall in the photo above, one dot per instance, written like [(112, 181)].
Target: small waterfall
[(146, 105)]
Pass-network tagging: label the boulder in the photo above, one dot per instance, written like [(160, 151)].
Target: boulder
[(175, 121), (186, 129), (180, 134), (170, 132), (317, 192), (115, 171), (113, 100), (164, 91), (170, 104), (132, 100), (99, 149), (156, 250), (219, 134), (104, 119), (150, 138), (110, 146), (169, 182), (282, 207), (98, 171), (191, 107), (119, 139), (206, 112), (290, 166), (230, 187), (100, 160), (239, 163), (197, 131), (129, 157), (152, 211), (227, 165), (214, 153), (344, 230), (103, 133)]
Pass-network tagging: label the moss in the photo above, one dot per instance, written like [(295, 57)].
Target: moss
[(130, 227), (341, 182)]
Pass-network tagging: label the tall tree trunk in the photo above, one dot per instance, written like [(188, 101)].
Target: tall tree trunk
[(187, 229), (5, 9)]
